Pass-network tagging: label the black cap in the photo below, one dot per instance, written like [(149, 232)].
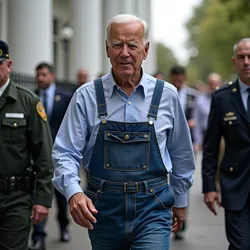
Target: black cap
[(4, 50)]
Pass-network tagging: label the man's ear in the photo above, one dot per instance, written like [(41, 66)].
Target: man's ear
[(107, 48), (146, 49)]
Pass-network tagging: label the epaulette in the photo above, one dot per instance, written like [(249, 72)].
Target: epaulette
[(224, 86)]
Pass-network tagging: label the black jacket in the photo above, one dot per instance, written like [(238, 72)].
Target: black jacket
[(228, 118), (61, 102)]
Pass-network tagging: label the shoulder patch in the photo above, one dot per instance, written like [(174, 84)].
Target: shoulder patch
[(41, 111)]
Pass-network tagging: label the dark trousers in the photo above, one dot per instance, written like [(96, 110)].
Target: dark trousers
[(62, 217), (238, 228), (15, 212)]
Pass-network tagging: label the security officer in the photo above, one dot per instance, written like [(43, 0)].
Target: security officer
[(55, 102), (230, 118), (24, 138), (111, 126)]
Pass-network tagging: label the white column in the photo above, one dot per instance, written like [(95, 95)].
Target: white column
[(144, 12), (30, 33), (128, 7), (85, 46), (110, 9), (3, 20)]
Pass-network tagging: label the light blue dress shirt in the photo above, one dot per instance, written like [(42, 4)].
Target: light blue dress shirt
[(244, 93), (50, 92), (76, 137)]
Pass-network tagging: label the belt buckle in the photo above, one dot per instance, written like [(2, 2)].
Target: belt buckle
[(125, 184)]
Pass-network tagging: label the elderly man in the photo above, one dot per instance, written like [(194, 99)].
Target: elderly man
[(130, 133)]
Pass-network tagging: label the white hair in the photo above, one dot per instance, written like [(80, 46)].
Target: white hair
[(243, 40), (214, 75), (127, 18)]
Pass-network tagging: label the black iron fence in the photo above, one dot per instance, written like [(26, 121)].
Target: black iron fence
[(30, 82)]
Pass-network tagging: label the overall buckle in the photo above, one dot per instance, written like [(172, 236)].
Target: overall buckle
[(128, 185)]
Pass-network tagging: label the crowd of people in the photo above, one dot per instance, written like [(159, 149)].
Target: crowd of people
[(136, 136)]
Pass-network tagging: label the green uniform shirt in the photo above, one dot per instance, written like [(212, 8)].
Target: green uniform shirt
[(25, 135)]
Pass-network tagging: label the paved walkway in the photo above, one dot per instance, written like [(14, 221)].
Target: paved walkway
[(205, 231)]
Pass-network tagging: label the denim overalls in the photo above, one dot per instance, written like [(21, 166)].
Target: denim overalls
[(128, 183)]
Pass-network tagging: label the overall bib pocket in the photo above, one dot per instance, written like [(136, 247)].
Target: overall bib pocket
[(126, 151)]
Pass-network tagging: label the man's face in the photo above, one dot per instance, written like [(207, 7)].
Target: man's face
[(213, 83), (44, 78), (125, 49), (241, 61), (5, 69), (82, 77), (177, 80)]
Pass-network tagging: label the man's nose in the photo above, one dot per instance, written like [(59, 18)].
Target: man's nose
[(247, 59), (125, 50)]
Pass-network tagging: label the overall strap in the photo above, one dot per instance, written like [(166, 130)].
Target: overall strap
[(100, 98), (155, 102)]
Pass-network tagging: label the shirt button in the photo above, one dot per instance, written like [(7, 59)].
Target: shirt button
[(231, 169), (14, 124), (129, 103)]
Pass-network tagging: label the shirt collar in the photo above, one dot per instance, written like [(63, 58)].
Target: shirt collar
[(243, 86), (11, 90), (49, 90), (4, 87), (113, 85)]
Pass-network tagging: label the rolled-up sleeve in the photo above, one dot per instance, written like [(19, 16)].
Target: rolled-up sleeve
[(68, 147), (180, 149)]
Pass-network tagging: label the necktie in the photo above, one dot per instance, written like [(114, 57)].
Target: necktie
[(248, 104), (45, 103)]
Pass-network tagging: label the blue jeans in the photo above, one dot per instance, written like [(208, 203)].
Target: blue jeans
[(133, 221)]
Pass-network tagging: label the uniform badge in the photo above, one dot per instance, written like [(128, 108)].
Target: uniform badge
[(41, 111), (58, 98), (229, 114)]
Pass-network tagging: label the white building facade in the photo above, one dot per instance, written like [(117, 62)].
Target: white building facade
[(32, 30)]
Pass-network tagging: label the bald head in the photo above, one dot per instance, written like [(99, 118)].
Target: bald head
[(82, 76), (214, 80)]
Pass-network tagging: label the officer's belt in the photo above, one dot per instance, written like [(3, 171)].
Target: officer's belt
[(127, 187), (13, 183)]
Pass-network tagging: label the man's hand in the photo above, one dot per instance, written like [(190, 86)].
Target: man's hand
[(179, 215), (39, 213), (210, 199), (191, 123), (82, 210), (197, 148)]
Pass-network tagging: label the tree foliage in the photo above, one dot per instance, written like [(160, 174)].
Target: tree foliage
[(165, 59), (214, 28)]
